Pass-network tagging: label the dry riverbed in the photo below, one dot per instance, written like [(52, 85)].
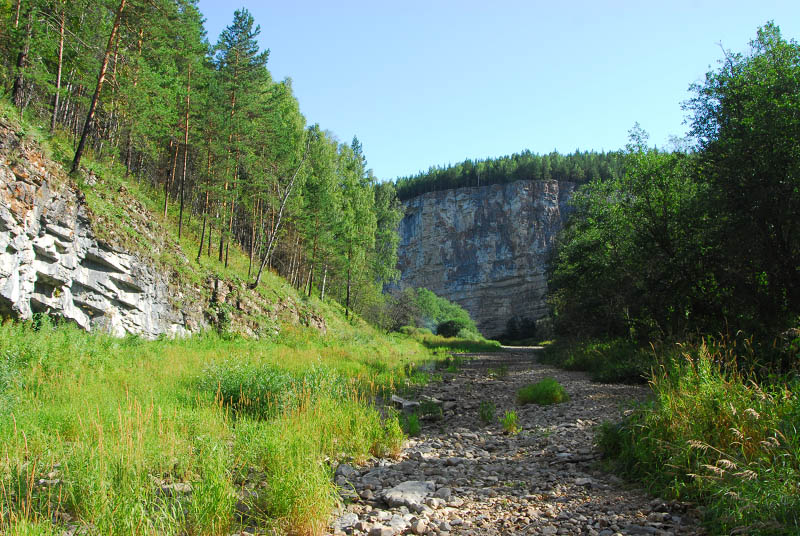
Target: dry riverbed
[(463, 476)]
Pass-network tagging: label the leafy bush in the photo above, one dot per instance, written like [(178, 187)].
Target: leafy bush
[(451, 328), (445, 345), (435, 310), (548, 391), (469, 335), (615, 360)]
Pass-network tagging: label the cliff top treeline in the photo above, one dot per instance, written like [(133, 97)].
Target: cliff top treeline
[(580, 167)]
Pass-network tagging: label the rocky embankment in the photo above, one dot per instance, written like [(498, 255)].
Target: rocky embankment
[(485, 248), (463, 476)]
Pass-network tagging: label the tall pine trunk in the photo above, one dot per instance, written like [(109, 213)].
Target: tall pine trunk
[(277, 224), (60, 63), (87, 127), (349, 267), (205, 205), (324, 280), (128, 146), (18, 91), (185, 145), (168, 180)]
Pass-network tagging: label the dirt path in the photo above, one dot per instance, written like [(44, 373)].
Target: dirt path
[(462, 476)]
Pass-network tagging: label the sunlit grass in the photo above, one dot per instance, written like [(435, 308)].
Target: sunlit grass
[(98, 431)]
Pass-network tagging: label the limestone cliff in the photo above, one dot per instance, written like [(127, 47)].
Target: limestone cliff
[(51, 261), (485, 248)]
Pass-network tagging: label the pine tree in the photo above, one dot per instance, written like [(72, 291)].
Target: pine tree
[(243, 74)]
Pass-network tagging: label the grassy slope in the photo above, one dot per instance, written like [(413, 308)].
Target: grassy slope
[(107, 433)]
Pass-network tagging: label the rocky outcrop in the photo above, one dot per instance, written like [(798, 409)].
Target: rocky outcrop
[(51, 262), (485, 248), (59, 258)]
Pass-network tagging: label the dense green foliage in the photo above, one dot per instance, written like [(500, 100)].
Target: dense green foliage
[(451, 328), (447, 317), (545, 392), (577, 167), (693, 242), (451, 344), (701, 240), (421, 308), (715, 435), (135, 84)]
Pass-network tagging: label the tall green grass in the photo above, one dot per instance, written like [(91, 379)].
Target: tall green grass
[(545, 392), (204, 435), (458, 344), (715, 435)]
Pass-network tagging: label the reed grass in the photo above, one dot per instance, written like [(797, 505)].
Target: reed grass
[(714, 434)]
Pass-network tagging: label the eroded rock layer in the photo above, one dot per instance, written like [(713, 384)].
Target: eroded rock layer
[(51, 262), (485, 248)]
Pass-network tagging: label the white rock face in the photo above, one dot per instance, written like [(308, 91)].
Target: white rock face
[(485, 248), (51, 262)]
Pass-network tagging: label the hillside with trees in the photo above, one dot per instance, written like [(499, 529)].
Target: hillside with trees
[(139, 83)]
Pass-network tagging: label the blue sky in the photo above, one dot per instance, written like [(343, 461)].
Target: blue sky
[(425, 83)]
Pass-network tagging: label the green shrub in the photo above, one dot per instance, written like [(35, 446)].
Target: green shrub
[(410, 424), (548, 391), (469, 335), (500, 371), (414, 331), (486, 412), (451, 328), (510, 422), (615, 360), (429, 409), (436, 310)]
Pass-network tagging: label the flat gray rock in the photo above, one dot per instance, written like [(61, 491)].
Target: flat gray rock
[(410, 493)]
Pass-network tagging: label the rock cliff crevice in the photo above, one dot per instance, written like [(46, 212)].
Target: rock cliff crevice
[(485, 248)]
